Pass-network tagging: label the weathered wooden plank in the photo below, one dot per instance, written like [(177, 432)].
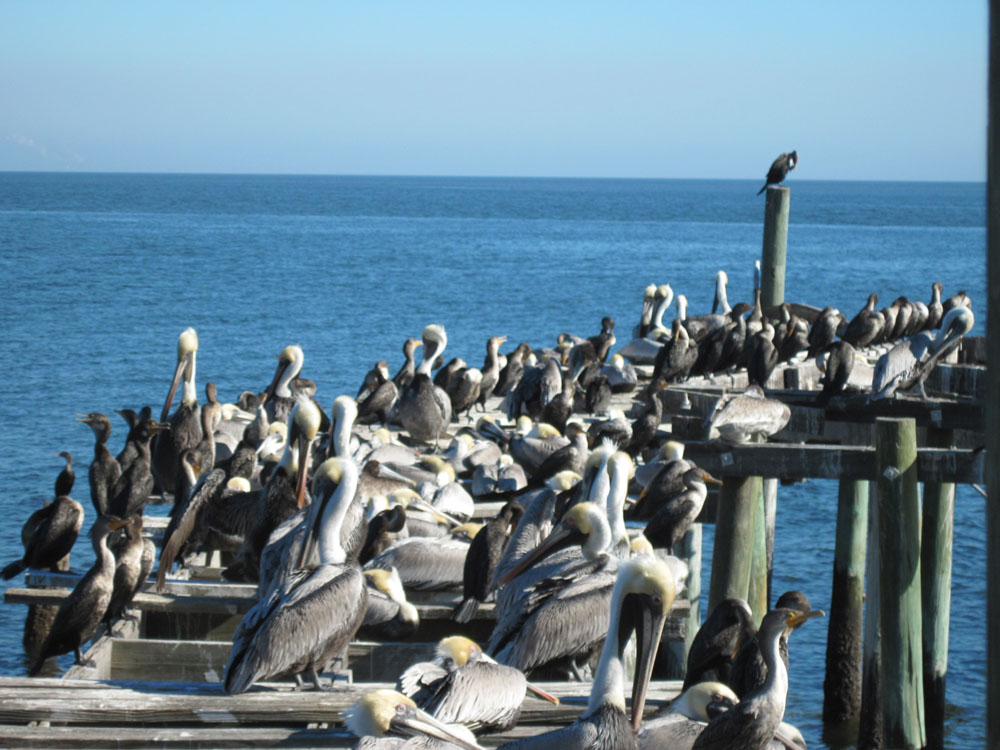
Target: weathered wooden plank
[(797, 460), (206, 704)]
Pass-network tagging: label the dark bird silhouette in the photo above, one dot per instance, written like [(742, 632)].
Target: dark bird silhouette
[(718, 641), (482, 558), (52, 533), (779, 169), (64, 482)]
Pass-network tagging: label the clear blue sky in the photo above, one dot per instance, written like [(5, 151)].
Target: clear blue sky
[(890, 89)]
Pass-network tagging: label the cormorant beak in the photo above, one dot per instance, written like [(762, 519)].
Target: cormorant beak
[(117, 523), (182, 367), (412, 721), (706, 477), (562, 536), (84, 418), (542, 694), (159, 427), (646, 615), (796, 619)]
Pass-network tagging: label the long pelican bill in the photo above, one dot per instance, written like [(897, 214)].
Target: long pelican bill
[(545, 696), (562, 536), (182, 365), (411, 720), (650, 617)]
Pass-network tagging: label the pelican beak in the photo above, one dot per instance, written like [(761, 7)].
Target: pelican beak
[(706, 477), (562, 536), (182, 366), (300, 481), (282, 366), (542, 694), (414, 721), (715, 302), (649, 616)]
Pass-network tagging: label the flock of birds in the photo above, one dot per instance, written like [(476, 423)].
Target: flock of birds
[(335, 517)]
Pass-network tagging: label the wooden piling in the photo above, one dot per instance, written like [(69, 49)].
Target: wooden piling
[(935, 590), (899, 576), (732, 553), (772, 282), (842, 685), (770, 517), (757, 596), (871, 730), (993, 387)]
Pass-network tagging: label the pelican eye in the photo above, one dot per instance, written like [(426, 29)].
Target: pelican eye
[(717, 697), (400, 708)]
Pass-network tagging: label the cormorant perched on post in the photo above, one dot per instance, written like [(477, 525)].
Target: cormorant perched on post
[(779, 169)]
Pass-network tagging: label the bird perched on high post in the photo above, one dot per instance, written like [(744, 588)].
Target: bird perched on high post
[(780, 168)]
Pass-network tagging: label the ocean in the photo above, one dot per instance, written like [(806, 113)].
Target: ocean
[(102, 271)]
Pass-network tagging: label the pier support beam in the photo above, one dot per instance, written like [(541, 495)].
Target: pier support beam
[(899, 576), (757, 589), (993, 387), (732, 552), (842, 686), (871, 732), (935, 590), (772, 282)]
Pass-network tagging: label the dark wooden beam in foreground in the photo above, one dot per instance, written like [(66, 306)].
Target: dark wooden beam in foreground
[(798, 461)]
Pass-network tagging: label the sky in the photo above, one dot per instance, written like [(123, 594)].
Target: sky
[(887, 90)]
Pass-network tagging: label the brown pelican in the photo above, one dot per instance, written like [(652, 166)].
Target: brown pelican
[(751, 724), (285, 492), (80, 613), (310, 617), (104, 469), (279, 398), (465, 686), (185, 423), (481, 560), (531, 629), (345, 413), (388, 615), (389, 714), (424, 410), (780, 168), (53, 533), (717, 642), (909, 363), (429, 564), (739, 417), (640, 602), (643, 348), (645, 313), (680, 723)]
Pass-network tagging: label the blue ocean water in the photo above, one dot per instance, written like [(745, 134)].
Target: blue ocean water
[(101, 272)]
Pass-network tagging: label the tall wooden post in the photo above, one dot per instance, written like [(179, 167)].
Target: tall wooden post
[(772, 282), (732, 553), (899, 576), (842, 686), (935, 589), (993, 386), (871, 730), (757, 585)]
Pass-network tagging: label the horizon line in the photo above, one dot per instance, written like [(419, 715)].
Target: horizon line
[(152, 173)]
